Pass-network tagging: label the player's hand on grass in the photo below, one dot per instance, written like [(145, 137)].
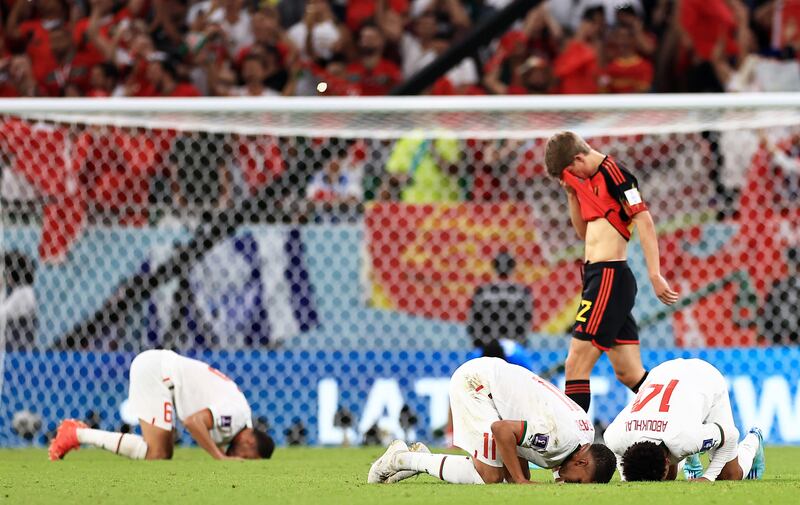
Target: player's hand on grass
[(664, 293), (700, 479)]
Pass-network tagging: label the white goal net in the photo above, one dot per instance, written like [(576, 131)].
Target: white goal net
[(327, 253)]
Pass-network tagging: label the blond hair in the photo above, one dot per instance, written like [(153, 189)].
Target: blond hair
[(561, 151)]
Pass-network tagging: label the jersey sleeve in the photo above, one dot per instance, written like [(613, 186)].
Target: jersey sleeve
[(624, 187), (612, 437), (534, 436), (708, 437), (229, 419), (725, 450)]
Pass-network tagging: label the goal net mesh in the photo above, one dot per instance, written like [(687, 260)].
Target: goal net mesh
[(326, 260)]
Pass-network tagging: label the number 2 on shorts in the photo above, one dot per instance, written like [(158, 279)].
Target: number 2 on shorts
[(585, 306)]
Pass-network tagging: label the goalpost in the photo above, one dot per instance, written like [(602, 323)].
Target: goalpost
[(323, 226)]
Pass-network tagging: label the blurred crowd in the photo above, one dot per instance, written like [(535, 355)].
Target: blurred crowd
[(99, 48)]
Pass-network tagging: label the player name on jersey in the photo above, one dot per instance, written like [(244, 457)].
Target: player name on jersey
[(646, 425)]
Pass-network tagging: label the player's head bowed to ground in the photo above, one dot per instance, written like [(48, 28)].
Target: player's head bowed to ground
[(682, 410), (504, 417), (163, 386)]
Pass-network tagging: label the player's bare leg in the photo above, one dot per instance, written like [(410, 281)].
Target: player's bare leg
[(731, 471), (749, 452), (581, 359), (491, 474), (627, 363), (160, 442)]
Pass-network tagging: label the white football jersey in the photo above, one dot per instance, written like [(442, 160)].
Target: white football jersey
[(553, 425), (199, 386), (673, 406)]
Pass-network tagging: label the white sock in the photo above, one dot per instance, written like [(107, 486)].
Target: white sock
[(449, 468), (747, 452), (124, 444)]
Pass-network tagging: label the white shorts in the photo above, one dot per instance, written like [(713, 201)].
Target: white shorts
[(474, 412), (150, 390)]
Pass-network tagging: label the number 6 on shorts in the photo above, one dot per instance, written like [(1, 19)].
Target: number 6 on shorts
[(168, 412)]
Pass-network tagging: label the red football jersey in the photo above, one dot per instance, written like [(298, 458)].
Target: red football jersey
[(611, 193)]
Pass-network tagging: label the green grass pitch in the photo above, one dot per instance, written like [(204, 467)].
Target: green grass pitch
[(334, 476)]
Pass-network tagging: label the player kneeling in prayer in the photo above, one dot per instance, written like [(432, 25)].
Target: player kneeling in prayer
[(683, 409), (163, 385), (504, 416)]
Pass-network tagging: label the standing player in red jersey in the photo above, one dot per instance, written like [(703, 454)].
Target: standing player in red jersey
[(604, 204)]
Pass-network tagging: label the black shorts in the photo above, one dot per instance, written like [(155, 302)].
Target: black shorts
[(604, 316)]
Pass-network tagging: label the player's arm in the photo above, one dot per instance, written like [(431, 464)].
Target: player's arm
[(722, 442), (575, 210), (507, 435), (198, 425), (649, 240)]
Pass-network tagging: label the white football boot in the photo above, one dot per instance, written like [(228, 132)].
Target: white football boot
[(405, 474), (382, 467)]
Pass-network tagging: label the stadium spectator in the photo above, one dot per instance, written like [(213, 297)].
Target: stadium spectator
[(374, 74), (577, 67), (17, 302), (430, 37), (102, 81), (270, 36), (232, 18), (200, 172), (336, 190), (423, 170), (92, 37), (500, 309), (360, 12), (644, 41), (497, 170), (254, 75), (318, 35), (777, 322), (17, 79), (202, 37), (502, 69), (627, 71), (260, 161), (756, 72), (31, 25), (163, 79), (334, 79), (730, 28)]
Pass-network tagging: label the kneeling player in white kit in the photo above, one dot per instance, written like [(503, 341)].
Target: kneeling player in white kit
[(162, 385), (683, 409), (505, 416)]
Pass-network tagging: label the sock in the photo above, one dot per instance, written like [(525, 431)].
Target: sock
[(635, 388), (449, 468), (124, 444), (746, 452), (580, 392)]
